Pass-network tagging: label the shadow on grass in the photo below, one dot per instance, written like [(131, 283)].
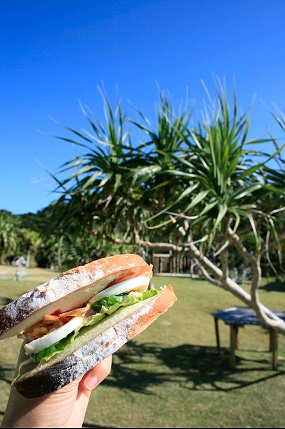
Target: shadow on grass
[(7, 373), (94, 425), (274, 287), (4, 300), (139, 367)]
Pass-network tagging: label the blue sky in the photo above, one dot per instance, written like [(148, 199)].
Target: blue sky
[(54, 54)]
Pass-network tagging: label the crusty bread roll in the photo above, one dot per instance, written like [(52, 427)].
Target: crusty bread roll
[(70, 290), (94, 345)]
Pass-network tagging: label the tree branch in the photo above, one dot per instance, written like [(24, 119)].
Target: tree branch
[(262, 312), (208, 277), (217, 277)]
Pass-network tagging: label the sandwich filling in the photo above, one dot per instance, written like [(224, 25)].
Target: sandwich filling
[(57, 331)]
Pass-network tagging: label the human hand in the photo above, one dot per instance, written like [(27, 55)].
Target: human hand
[(64, 408)]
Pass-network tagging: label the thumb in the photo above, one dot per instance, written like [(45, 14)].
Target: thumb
[(89, 382), (96, 375)]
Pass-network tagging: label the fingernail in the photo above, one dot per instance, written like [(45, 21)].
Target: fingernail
[(91, 382)]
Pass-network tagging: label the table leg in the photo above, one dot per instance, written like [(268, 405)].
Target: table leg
[(217, 335), (274, 347), (233, 344), (237, 336), (271, 339)]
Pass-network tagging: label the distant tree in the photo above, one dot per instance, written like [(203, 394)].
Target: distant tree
[(32, 221), (9, 234), (73, 243), (29, 241)]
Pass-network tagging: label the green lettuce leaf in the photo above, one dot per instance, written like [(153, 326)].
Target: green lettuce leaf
[(149, 294), (112, 303), (126, 302), (93, 320), (47, 353), (107, 302)]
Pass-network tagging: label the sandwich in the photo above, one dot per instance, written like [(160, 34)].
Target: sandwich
[(79, 318)]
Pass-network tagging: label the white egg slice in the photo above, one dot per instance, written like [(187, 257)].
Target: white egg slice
[(54, 336), (138, 283)]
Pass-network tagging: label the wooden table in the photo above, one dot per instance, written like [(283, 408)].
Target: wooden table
[(238, 317)]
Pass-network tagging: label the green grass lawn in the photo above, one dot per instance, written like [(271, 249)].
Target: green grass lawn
[(171, 375)]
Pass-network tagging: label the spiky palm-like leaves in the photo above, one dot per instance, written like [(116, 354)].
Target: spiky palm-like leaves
[(221, 178), (200, 179), (115, 183)]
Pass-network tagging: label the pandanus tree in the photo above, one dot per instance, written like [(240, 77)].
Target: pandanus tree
[(196, 189)]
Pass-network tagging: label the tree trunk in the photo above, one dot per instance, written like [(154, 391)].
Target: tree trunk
[(28, 259), (3, 251), (59, 262)]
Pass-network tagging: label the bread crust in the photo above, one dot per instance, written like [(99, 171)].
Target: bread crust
[(70, 289), (75, 365)]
